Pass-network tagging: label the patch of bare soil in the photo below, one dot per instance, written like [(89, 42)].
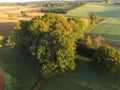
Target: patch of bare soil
[(6, 28), (1, 80)]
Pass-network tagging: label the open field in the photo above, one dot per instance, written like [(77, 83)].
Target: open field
[(109, 28), (83, 78), (20, 72), (102, 10), (7, 25)]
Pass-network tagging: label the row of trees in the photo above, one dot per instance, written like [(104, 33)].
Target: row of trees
[(58, 7), (105, 57)]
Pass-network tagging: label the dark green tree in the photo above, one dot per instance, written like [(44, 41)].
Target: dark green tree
[(107, 57)]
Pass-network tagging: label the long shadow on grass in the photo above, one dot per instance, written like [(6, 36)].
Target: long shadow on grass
[(84, 77)]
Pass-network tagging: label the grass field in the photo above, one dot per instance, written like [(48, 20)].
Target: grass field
[(83, 78), (102, 10), (20, 72), (109, 28)]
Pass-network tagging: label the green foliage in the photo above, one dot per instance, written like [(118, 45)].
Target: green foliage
[(24, 13), (48, 70), (22, 37), (94, 17), (2, 40), (50, 38), (58, 7), (56, 40), (85, 48), (10, 15), (107, 57)]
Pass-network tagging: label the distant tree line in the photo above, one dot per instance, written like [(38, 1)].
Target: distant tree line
[(59, 7)]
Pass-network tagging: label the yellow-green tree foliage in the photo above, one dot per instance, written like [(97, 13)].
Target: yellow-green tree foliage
[(1, 41), (89, 40), (10, 15), (51, 39), (108, 58)]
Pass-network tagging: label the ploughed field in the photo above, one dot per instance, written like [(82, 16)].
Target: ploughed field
[(108, 27)]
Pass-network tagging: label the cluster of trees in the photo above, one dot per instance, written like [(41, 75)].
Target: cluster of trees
[(23, 14), (59, 7), (51, 39), (105, 57), (54, 40)]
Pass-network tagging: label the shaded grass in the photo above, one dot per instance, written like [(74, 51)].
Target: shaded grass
[(20, 72), (84, 77)]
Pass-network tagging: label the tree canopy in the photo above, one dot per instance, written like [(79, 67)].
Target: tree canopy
[(50, 38)]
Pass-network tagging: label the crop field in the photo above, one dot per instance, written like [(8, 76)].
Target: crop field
[(109, 28)]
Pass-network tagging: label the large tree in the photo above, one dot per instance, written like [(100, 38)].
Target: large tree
[(51, 39)]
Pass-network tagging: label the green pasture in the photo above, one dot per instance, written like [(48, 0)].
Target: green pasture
[(84, 77), (20, 71), (109, 27), (102, 10)]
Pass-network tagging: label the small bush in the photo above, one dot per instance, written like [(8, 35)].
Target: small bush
[(10, 15)]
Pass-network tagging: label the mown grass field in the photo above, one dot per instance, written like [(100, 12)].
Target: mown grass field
[(20, 71), (109, 27), (102, 10), (84, 77)]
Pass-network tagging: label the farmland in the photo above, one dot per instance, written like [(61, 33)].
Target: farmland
[(7, 24), (44, 54), (109, 27)]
